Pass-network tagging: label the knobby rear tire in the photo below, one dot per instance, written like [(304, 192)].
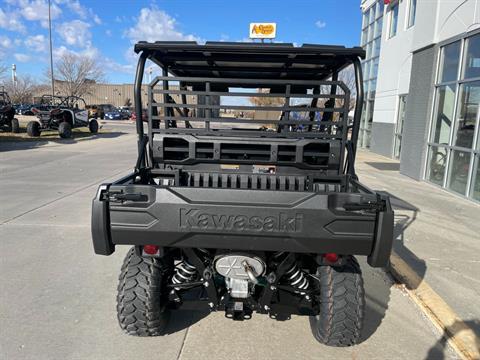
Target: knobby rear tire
[(33, 129), (93, 126), (342, 305), (140, 310), (15, 126), (65, 130)]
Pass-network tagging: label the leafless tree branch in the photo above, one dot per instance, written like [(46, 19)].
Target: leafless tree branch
[(22, 90), (3, 70), (75, 75)]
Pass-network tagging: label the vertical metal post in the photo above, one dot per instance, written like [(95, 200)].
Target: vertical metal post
[(166, 110), (358, 104), (51, 49), (288, 89), (208, 110), (138, 106)]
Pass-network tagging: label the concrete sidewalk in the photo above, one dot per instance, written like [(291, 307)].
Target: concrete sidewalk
[(437, 233)]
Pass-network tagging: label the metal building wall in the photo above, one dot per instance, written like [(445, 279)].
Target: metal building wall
[(115, 94), (418, 112)]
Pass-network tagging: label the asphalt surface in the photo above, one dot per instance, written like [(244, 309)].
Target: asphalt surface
[(57, 299)]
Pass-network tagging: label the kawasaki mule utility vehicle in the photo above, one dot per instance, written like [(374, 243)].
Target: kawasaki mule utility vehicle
[(8, 122), (236, 206), (62, 113)]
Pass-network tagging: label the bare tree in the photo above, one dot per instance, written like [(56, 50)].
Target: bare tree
[(22, 90), (3, 71), (75, 75), (266, 101)]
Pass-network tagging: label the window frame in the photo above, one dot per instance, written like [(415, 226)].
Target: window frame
[(372, 32), (410, 21), (394, 8), (398, 135), (474, 151)]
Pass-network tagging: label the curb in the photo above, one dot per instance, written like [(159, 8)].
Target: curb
[(458, 335)]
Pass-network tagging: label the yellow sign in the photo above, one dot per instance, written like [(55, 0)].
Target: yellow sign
[(263, 30)]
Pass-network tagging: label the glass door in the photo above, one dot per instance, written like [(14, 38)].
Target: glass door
[(402, 103)]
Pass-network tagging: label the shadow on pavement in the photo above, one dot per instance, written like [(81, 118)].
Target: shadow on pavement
[(182, 319), (405, 216), (377, 297), (385, 166), (13, 144), (437, 351), (377, 288)]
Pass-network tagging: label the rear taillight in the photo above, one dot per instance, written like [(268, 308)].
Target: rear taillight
[(331, 257), (151, 250)]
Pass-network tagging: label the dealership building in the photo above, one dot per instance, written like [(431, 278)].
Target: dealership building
[(422, 89)]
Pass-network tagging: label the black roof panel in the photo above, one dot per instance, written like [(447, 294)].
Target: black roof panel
[(249, 60)]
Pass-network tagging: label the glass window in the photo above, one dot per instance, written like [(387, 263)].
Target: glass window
[(365, 20), (370, 88), (371, 104), (370, 32), (460, 164), (476, 181), (412, 12), (472, 59), (373, 87), (371, 15), (375, 67), (444, 114), (437, 163), (376, 47), (380, 6), (449, 61), (393, 20), (372, 68), (369, 50), (401, 113), (467, 114), (367, 70), (364, 36), (378, 28), (399, 126)]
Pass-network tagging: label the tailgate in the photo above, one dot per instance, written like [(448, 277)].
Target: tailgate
[(306, 222)]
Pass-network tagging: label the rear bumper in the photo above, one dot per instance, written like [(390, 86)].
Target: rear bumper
[(301, 222)]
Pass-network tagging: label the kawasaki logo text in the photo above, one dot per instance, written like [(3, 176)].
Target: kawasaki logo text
[(202, 220)]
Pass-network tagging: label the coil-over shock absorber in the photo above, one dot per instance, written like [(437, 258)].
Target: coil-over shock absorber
[(184, 273), (294, 276)]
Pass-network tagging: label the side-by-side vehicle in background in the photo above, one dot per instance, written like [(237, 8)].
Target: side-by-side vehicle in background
[(62, 113), (8, 122), (245, 206)]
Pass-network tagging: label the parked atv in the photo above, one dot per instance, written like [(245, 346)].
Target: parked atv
[(241, 213), (8, 122), (62, 113)]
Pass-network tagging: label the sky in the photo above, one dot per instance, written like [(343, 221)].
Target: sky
[(106, 30)]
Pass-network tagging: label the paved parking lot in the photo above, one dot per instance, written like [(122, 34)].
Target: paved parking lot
[(57, 299)]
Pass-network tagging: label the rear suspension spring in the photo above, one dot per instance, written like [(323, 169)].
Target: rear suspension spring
[(296, 278), (184, 272)]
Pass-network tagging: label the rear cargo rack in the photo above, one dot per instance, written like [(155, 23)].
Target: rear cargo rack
[(231, 103)]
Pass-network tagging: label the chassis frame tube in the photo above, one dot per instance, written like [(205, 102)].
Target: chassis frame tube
[(138, 106)]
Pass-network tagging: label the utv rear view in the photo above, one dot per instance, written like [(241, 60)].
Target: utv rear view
[(244, 197)]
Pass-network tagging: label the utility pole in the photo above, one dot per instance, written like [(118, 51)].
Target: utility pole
[(51, 51), (14, 77)]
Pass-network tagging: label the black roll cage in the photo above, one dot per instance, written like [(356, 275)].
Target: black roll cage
[(169, 55)]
